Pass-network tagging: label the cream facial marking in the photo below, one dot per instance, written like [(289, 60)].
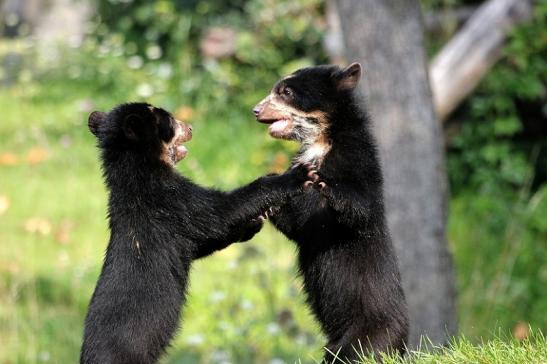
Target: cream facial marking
[(174, 151), (287, 122), (279, 105)]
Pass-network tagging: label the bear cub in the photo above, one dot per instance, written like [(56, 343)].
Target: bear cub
[(345, 253), (159, 223)]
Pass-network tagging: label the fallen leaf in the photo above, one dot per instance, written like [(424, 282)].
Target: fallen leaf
[(37, 155), (184, 113), (9, 267), (4, 204), (280, 163), (521, 330), (38, 225), (62, 234), (8, 159)]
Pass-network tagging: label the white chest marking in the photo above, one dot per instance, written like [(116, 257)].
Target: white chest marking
[(313, 154)]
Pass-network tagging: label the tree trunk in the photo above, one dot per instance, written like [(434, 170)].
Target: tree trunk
[(386, 37), (466, 58)]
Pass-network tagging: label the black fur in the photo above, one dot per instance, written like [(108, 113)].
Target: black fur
[(345, 254), (159, 223)]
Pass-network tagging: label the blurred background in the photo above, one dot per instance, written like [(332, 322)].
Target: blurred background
[(209, 62)]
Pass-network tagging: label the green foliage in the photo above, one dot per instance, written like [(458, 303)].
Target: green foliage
[(170, 30), (46, 280), (496, 165), (492, 149)]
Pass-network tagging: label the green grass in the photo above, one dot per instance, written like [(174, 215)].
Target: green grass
[(236, 296), (462, 351), (245, 303)]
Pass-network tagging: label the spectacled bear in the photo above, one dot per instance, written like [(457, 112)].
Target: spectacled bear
[(159, 223), (345, 254)]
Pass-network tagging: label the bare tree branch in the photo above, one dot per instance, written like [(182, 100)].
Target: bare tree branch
[(467, 57), (464, 61), (443, 19)]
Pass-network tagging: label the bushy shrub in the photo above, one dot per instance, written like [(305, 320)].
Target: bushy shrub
[(497, 164), (497, 140), (271, 36)]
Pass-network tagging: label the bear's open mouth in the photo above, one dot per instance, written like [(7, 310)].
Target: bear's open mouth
[(180, 152), (183, 133), (279, 128)]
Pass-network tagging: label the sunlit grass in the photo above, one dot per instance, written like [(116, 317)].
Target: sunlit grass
[(500, 349), (245, 303)]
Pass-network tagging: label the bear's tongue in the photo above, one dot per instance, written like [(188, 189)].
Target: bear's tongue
[(181, 152), (278, 126)]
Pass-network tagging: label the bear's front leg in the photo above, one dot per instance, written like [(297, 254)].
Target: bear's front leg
[(350, 203), (251, 229)]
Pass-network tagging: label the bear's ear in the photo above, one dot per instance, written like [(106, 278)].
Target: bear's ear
[(94, 120), (348, 78), (133, 126)]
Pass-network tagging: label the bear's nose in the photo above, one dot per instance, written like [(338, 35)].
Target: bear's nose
[(256, 110)]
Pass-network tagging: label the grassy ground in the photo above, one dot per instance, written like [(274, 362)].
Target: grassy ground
[(245, 303), (462, 351)]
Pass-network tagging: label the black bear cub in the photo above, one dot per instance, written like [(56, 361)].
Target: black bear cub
[(159, 223), (345, 254)]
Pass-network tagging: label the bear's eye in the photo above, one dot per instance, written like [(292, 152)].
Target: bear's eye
[(287, 91)]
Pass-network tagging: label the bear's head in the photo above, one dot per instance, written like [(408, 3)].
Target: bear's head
[(143, 129), (301, 106)]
